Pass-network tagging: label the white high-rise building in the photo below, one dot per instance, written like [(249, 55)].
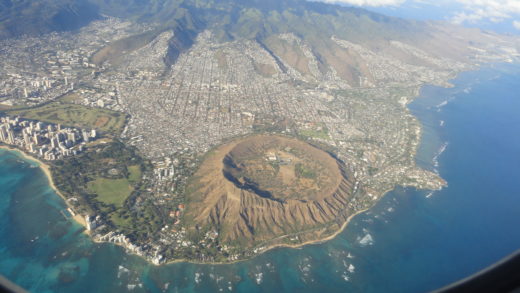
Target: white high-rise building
[(10, 136), (90, 223), (26, 138), (37, 139), (72, 137), (3, 133), (86, 137), (54, 142)]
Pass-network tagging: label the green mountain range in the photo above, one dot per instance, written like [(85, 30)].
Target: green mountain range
[(260, 20)]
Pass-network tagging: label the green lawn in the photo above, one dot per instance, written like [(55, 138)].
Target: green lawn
[(323, 134), (75, 115), (111, 191), (120, 222), (115, 191), (134, 175)]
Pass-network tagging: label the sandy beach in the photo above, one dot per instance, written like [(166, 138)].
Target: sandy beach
[(81, 220), (46, 169)]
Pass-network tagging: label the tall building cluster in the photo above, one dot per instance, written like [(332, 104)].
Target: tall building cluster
[(47, 141)]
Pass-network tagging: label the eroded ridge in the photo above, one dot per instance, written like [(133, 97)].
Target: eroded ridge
[(264, 188)]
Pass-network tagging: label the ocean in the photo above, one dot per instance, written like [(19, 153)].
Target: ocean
[(411, 241)]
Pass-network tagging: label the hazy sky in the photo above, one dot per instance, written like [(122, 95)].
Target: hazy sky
[(488, 14)]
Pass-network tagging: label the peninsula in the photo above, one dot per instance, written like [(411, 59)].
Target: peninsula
[(212, 132)]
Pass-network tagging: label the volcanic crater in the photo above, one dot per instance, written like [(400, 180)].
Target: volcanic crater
[(264, 188)]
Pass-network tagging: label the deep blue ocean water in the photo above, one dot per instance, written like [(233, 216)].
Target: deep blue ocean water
[(411, 241)]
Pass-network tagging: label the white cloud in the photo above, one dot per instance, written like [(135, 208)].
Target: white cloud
[(516, 24), (461, 11), (491, 10)]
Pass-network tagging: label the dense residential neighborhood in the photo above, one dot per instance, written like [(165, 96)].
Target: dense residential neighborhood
[(174, 114)]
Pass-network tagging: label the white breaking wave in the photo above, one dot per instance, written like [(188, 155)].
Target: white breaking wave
[(121, 271), (441, 150), (259, 277), (366, 240), (345, 277), (198, 277), (442, 104)]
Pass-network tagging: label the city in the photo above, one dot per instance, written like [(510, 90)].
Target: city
[(213, 93), (47, 141)]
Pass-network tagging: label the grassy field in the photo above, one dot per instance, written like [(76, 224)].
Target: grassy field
[(120, 221), (115, 191), (74, 115), (111, 191), (323, 133), (134, 174)]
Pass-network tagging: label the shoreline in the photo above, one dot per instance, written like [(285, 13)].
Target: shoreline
[(284, 245), (80, 220), (274, 246), (456, 74), (47, 171), (318, 241)]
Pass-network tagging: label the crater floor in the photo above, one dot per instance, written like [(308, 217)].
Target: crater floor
[(266, 188)]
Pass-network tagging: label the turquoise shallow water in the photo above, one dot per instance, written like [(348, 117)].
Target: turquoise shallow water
[(411, 241)]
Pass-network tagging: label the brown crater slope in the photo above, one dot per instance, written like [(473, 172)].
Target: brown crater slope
[(267, 189)]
